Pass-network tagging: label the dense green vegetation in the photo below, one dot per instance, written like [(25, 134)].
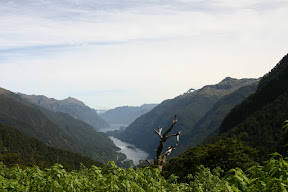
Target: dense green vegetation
[(31, 122), (226, 153), (190, 108), (16, 148), (272, 176)]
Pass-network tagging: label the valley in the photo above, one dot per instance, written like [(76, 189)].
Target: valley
[(131, 152), (235, 123), (137, 95)]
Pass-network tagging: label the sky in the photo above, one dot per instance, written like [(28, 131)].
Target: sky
[(110, 53)]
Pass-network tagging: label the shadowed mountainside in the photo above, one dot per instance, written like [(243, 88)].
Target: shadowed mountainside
[(249, 133), (71, 106), (189, 108), (16, 148), (56, 129), (209, 124)]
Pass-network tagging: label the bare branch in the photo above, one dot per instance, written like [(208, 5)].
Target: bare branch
[(172, 135), (168, 151), (174, 121), (158, 132), (148, 162), (171, 148), (161, 158)]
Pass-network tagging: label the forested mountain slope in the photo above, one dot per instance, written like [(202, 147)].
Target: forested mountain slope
[(31, 122), (249, 133), (209, 124), (71, 106), (56, 129), (16, 148), (189, 108), (261, 115)]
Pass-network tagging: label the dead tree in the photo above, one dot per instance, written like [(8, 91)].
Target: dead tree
[(161, 158)]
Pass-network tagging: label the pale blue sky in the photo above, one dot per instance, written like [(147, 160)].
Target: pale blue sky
[(112, 53)]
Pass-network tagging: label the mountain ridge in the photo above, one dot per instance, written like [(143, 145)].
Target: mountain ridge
[(189, 108), (210, 123), (249, 133), (56, 129), (71, 106)]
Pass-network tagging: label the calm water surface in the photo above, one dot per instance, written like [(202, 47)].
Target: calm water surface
[(130, 151), (113, 127)]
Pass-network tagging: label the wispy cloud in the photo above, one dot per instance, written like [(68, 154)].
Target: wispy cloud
[(136, 44), (51, 22)]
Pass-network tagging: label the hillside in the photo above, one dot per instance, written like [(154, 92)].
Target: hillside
[(71, 106), (261, 115), (189, 108), (249, 133), (209, 124), (16, 148), (56, 129), (126, 114), (31, 122)]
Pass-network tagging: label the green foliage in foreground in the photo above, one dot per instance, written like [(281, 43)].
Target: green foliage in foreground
[(109, 178), (273, 176)]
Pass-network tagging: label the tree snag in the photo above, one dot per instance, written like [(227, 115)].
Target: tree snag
[(161, 158)]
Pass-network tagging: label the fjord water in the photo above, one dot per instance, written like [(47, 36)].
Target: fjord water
[(132, 152), (113, 127)]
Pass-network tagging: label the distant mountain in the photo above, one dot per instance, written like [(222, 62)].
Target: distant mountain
[(71, 106), (189, 108), (100, 111), (126, 114), (56, 128), (16, 148)]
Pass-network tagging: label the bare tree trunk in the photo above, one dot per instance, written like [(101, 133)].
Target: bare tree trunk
[(161, 158)]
